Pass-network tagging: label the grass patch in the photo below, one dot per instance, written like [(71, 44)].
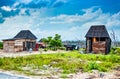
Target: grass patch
[(64, 76), (70, 62)]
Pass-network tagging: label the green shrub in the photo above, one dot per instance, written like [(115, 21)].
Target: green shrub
[(65, 71), (92, 66), (54, 48), (45, 49), (62, 48), (112, 51), (1, 45), (64, 76), (115, 50), (105, 66), (1, 62)]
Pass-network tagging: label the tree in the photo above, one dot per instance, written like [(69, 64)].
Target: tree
[(47, 40), (56, 42), (53, 42)]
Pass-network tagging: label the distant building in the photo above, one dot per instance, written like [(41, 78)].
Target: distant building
[(98, 40), (80, 44), (72, 45), (23, 41)]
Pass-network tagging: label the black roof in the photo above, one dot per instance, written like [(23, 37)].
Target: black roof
[(97, 31), (25, 34)]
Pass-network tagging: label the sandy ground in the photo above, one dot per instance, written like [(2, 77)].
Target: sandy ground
[(79, 75), (25, 53), (95, 75)]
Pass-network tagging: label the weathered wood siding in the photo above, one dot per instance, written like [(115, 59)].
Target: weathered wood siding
[(99, 47), (8, 46), (18, 45)]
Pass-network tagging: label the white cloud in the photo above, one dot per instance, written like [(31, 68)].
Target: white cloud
[(16, 4), (74, 26), (88, 16), (6, 8), (59, 1), (114, 20)]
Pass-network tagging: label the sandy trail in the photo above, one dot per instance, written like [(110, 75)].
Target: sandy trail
[(25, 53)]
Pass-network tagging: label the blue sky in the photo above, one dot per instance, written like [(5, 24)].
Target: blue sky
[(69, 18)]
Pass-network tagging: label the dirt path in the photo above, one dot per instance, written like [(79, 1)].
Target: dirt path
[(97, 75), (25, 53)]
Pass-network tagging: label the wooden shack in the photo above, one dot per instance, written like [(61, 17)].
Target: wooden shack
[(23, 41), (98, 40)]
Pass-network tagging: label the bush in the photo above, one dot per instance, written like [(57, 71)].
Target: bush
[(45, 49), (1, 45), (115, 50), (97, 66), (92, 66), (62, 48)]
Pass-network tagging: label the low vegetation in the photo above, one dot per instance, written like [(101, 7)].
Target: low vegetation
[(63, 63), (1, 45), (115, 51)]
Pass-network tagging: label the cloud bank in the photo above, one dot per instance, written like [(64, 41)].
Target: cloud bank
[(69, 18), (70, 27)]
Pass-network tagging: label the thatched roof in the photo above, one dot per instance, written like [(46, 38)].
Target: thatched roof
[(25, 34), (97, 31)]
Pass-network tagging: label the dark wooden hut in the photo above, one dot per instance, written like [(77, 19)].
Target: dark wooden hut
[(98, 40), (23, 41)]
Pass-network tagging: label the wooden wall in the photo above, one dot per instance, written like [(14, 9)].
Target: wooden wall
[(8, 46), (98, 46), (17, 45)]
